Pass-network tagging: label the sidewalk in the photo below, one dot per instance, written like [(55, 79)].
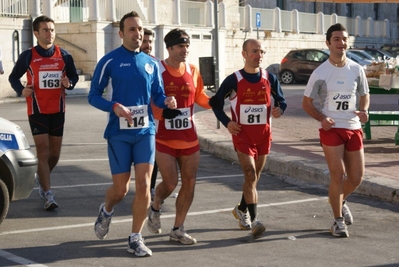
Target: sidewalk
[(296, 155)]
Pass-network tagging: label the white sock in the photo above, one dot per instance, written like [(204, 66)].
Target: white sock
[(108, 213)]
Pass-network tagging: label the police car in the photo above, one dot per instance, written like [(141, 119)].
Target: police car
[(18, 166)]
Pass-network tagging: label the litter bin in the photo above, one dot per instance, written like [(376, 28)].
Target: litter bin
[(207, 70)]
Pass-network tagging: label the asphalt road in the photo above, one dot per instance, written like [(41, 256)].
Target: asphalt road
[(297, 217)]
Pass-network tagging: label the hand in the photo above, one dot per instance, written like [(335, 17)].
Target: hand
[(122, 111), (233, 127), (168, 113), (65, 82), (327, 123), (277, 112), (2, 72), (363, 115), (27, 91), (170, 102)]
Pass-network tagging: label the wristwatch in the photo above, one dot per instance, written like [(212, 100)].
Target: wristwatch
[(70, 84)]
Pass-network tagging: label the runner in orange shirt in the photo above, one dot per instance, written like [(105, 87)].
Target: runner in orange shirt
[(176, 139)]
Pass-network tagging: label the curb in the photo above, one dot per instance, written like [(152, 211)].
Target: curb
[(294, 169)]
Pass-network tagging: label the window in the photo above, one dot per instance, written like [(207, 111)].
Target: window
[(280, 4), (348, 10), (376, 9)]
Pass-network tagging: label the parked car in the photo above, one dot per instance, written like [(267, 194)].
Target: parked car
[(18, 166), (299, 64), (378, 54), (391, 48), (361, 61), (363, 54), (358, 59)]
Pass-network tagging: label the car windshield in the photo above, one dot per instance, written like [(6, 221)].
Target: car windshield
[(362, 54), (353, 56)]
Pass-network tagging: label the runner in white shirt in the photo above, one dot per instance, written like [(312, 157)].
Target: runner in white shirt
[(342, 88)]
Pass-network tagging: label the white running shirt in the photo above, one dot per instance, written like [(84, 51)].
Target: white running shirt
[(338, 90)]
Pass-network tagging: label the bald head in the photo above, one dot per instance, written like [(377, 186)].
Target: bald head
[(250, 42)]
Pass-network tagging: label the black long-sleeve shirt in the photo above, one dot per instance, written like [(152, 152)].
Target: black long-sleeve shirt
[(230, 84)]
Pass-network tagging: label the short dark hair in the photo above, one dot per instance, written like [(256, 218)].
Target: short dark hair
[(335, 28), (174, 35), (148, 32), (132, 14), (36, 22)]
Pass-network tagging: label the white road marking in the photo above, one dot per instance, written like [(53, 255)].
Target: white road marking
[(163, 216), (19, 260), (81, 160), (132, 180)]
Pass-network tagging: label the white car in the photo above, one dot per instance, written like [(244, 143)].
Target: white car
[(18, 166)]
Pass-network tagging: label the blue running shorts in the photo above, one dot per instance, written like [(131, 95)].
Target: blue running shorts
[(123, 150)]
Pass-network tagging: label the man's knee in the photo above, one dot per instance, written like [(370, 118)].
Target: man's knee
[(354, 181)]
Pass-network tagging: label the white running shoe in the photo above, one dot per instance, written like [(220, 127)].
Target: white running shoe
[(339, 228), (137, 246), (49, 202), (346, 213), (101, 226), (243, 218), (154, 221), (179, 235), (257, 228)]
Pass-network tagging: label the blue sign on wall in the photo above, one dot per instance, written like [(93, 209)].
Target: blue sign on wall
[(258, 20)]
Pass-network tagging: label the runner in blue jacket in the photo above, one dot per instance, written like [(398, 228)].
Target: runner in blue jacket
[(128, 80)]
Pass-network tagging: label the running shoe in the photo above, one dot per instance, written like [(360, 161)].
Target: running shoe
[(346, 213), (179, 235), (257, 228), (137, 246), (154, 221), (244, 221), (339, 228), (101, 226), (49, 202)]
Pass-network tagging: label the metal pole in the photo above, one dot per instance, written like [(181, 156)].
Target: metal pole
[(216, 42)]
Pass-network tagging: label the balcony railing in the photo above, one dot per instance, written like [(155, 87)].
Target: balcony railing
[(198, 14)]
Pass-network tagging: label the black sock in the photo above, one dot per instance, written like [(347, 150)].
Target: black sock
[(253, 211), (175, 228), (154, 209), (243, 205)]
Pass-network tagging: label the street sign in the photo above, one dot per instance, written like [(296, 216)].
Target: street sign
[(258, 20)]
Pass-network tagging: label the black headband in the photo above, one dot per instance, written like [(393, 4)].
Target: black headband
[(178, 41)]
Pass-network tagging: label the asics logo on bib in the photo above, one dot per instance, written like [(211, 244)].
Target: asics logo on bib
[(342, 97), (138, 111), (185, 113), (51, 75), (250, 109), (124, 65)]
